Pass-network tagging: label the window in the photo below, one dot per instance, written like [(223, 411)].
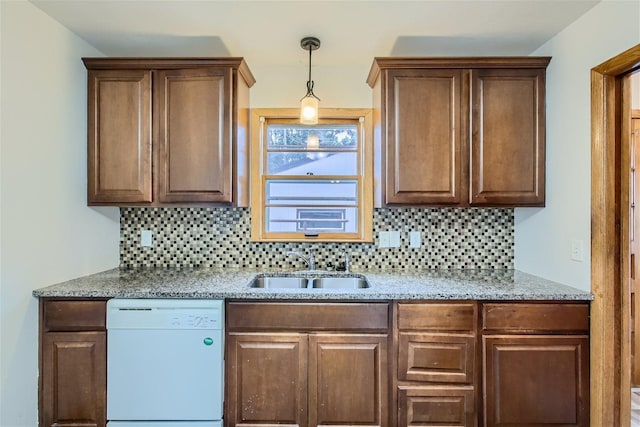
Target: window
[(311, 183)]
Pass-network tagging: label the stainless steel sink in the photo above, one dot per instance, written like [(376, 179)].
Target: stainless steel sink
[(339, 283), (312, 281), (280, 282)]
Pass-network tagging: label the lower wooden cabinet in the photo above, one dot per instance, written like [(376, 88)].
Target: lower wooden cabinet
[(310, 377), (436, 362), (536, 364), (308, 364), (73, 363)]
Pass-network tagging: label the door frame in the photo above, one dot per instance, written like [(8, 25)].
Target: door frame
[(610, 375)]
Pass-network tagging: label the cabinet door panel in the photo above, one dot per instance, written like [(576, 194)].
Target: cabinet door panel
[(348, 380), (119, 126), (536, 380), (74, 379), (436, 406), (508, 141), (424, 137), (194, 135), (266, 379)]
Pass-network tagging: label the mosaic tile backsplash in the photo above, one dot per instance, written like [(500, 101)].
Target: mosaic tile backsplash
[(220, 238)]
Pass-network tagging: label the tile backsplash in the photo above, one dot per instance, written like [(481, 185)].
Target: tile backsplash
[(220, 238)]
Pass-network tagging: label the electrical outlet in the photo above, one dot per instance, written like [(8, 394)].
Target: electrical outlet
[(577, 250), (384, 239), (146, 238)]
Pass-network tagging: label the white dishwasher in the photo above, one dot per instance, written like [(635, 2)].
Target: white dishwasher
[(164, 363)]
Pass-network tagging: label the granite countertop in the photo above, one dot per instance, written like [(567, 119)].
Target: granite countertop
[(395, 285)]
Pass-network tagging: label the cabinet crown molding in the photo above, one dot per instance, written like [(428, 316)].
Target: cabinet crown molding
[(157, 63), (383, 63)]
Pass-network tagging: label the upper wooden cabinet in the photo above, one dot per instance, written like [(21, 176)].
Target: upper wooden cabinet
[(459, 131), (166, 131)]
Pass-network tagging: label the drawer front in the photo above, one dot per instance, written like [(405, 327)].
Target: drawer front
[(437, 316), (64, 315), (535, 317), (256, 316), (436, 358), (436, 406)]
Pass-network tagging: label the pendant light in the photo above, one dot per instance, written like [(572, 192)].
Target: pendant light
[(309, 104)]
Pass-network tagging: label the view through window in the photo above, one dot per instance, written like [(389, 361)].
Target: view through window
[(312, 180)]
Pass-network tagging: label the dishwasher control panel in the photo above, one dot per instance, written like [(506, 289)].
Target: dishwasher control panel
[(164, 314), (192, 321)]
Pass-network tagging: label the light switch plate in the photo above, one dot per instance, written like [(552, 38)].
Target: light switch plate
[(415, 239), (394, 239), (146, 238), (383, 239), (577, 250)]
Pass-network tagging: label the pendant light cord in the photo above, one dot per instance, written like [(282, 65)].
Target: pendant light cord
[(309, 82)]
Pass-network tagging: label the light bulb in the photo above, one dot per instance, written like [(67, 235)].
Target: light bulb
[(309, 110)]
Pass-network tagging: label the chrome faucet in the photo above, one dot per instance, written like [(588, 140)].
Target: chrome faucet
[(311, 261), (347, 262)]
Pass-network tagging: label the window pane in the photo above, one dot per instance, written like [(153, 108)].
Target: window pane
[(312, 192), (314, 163), (333, 137), (316, 220)]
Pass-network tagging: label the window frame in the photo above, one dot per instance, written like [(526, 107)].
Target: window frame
[(259, 121)]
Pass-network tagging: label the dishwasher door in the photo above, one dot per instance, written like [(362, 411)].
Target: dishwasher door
[(164, 360)]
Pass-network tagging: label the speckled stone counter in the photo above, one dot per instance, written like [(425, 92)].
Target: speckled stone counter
[(235, 284)]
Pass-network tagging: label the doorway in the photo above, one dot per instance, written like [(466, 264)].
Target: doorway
[(610, 230)]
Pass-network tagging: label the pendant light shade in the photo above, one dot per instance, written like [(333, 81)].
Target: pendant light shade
[(309, 110), (309, 103)]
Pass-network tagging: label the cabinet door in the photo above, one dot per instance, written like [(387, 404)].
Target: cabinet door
[(508, 140), (266, 379), (119, 127), (424, 148), (536, 380), (348, 380), (193, 116), (73, 379)]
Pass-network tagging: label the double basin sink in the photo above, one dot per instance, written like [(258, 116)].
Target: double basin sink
[(310, 282)]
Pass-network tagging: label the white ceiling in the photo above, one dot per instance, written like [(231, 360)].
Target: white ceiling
[(351, 32)]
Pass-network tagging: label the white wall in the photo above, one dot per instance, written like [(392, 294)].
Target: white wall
[(48, 234), (543, 236), (337, 87)]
